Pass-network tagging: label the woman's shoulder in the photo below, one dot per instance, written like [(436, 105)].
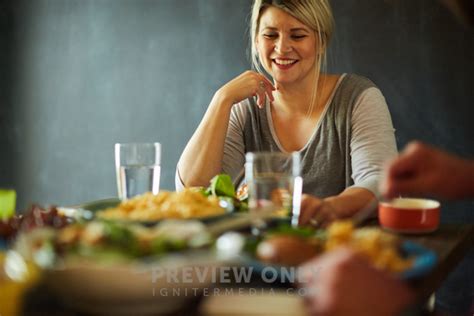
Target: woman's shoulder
[(354, 85), (348, 80), (358, 80)]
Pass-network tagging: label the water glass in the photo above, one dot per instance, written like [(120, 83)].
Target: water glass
[(274, 184), (138, 168)]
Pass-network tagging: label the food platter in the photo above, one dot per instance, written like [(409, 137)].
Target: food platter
[(407, 261), (118, 280), (209, 204), (89, 210), (424, 260)]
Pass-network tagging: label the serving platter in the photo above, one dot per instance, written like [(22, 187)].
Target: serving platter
[(89, 209), (404, 259), (424, 260)]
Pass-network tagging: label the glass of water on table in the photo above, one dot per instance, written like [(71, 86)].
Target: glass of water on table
[(274, 186), (138, 168)]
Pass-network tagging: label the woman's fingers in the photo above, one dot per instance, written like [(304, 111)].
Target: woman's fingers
[(310, 207), (264, 89), (261, 94), (246, 85), (268, 87), (316, 212)]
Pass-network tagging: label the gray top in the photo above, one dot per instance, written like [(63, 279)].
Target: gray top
[(349, 145)]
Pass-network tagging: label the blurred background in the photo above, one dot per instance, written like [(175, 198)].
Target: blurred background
[(77, 76)]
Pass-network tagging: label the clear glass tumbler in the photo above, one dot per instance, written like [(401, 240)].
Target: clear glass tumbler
[(138, 168), (274, 185)]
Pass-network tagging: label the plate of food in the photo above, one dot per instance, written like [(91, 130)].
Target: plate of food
[(285, 246), (206, 204), (128, 264)]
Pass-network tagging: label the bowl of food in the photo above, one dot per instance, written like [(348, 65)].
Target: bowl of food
[(409, 215)]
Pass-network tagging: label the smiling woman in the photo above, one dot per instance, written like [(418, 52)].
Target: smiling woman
[(339, 123)]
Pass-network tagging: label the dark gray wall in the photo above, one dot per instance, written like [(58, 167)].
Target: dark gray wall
[(85, 74), (79, 75)]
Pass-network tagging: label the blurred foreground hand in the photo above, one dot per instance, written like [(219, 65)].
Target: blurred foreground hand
[(422, 170), (342, 283)]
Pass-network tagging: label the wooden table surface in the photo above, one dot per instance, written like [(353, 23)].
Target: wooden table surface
[(450, 242)]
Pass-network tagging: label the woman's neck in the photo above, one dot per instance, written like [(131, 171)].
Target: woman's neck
[(295, 99)]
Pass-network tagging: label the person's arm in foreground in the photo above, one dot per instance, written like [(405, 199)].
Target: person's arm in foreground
[(202, 156), (342, 283), (424, 170)]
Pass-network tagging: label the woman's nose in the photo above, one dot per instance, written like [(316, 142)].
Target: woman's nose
[(283, 45)]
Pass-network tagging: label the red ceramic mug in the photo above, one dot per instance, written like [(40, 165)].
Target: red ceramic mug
[(407, 215)]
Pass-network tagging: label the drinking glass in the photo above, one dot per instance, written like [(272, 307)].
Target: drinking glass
[(138, 168), (274, 185)]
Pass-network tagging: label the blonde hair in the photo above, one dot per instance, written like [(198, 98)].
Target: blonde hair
[(315, 14)]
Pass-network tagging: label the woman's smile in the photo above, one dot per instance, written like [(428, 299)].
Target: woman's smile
[(284, 63)]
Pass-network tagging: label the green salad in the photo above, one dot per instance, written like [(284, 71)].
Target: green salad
[(108, 241), (221, 186)]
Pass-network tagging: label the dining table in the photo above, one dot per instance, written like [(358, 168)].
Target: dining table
[(450, 243)]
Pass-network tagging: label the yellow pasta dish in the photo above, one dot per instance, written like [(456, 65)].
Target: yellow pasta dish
[(188, 203)]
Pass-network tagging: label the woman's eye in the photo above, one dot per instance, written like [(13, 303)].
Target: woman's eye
[(269, 35), (298, 36)]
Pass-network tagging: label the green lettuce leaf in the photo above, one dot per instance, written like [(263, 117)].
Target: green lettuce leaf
[(221, 185), (7, 203)]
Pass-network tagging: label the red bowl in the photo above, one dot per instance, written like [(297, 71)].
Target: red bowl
[(406, 215)]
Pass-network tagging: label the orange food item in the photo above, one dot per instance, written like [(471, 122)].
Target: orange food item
[(286, 250)]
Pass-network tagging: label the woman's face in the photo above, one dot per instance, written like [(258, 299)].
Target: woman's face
[(286, 47)]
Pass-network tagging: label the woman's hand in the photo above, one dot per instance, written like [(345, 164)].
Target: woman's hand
[(316, 212), (321, 212), (246, 85)]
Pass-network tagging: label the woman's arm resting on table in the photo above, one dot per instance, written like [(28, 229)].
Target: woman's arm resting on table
[(344, 205), (372, 143)]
